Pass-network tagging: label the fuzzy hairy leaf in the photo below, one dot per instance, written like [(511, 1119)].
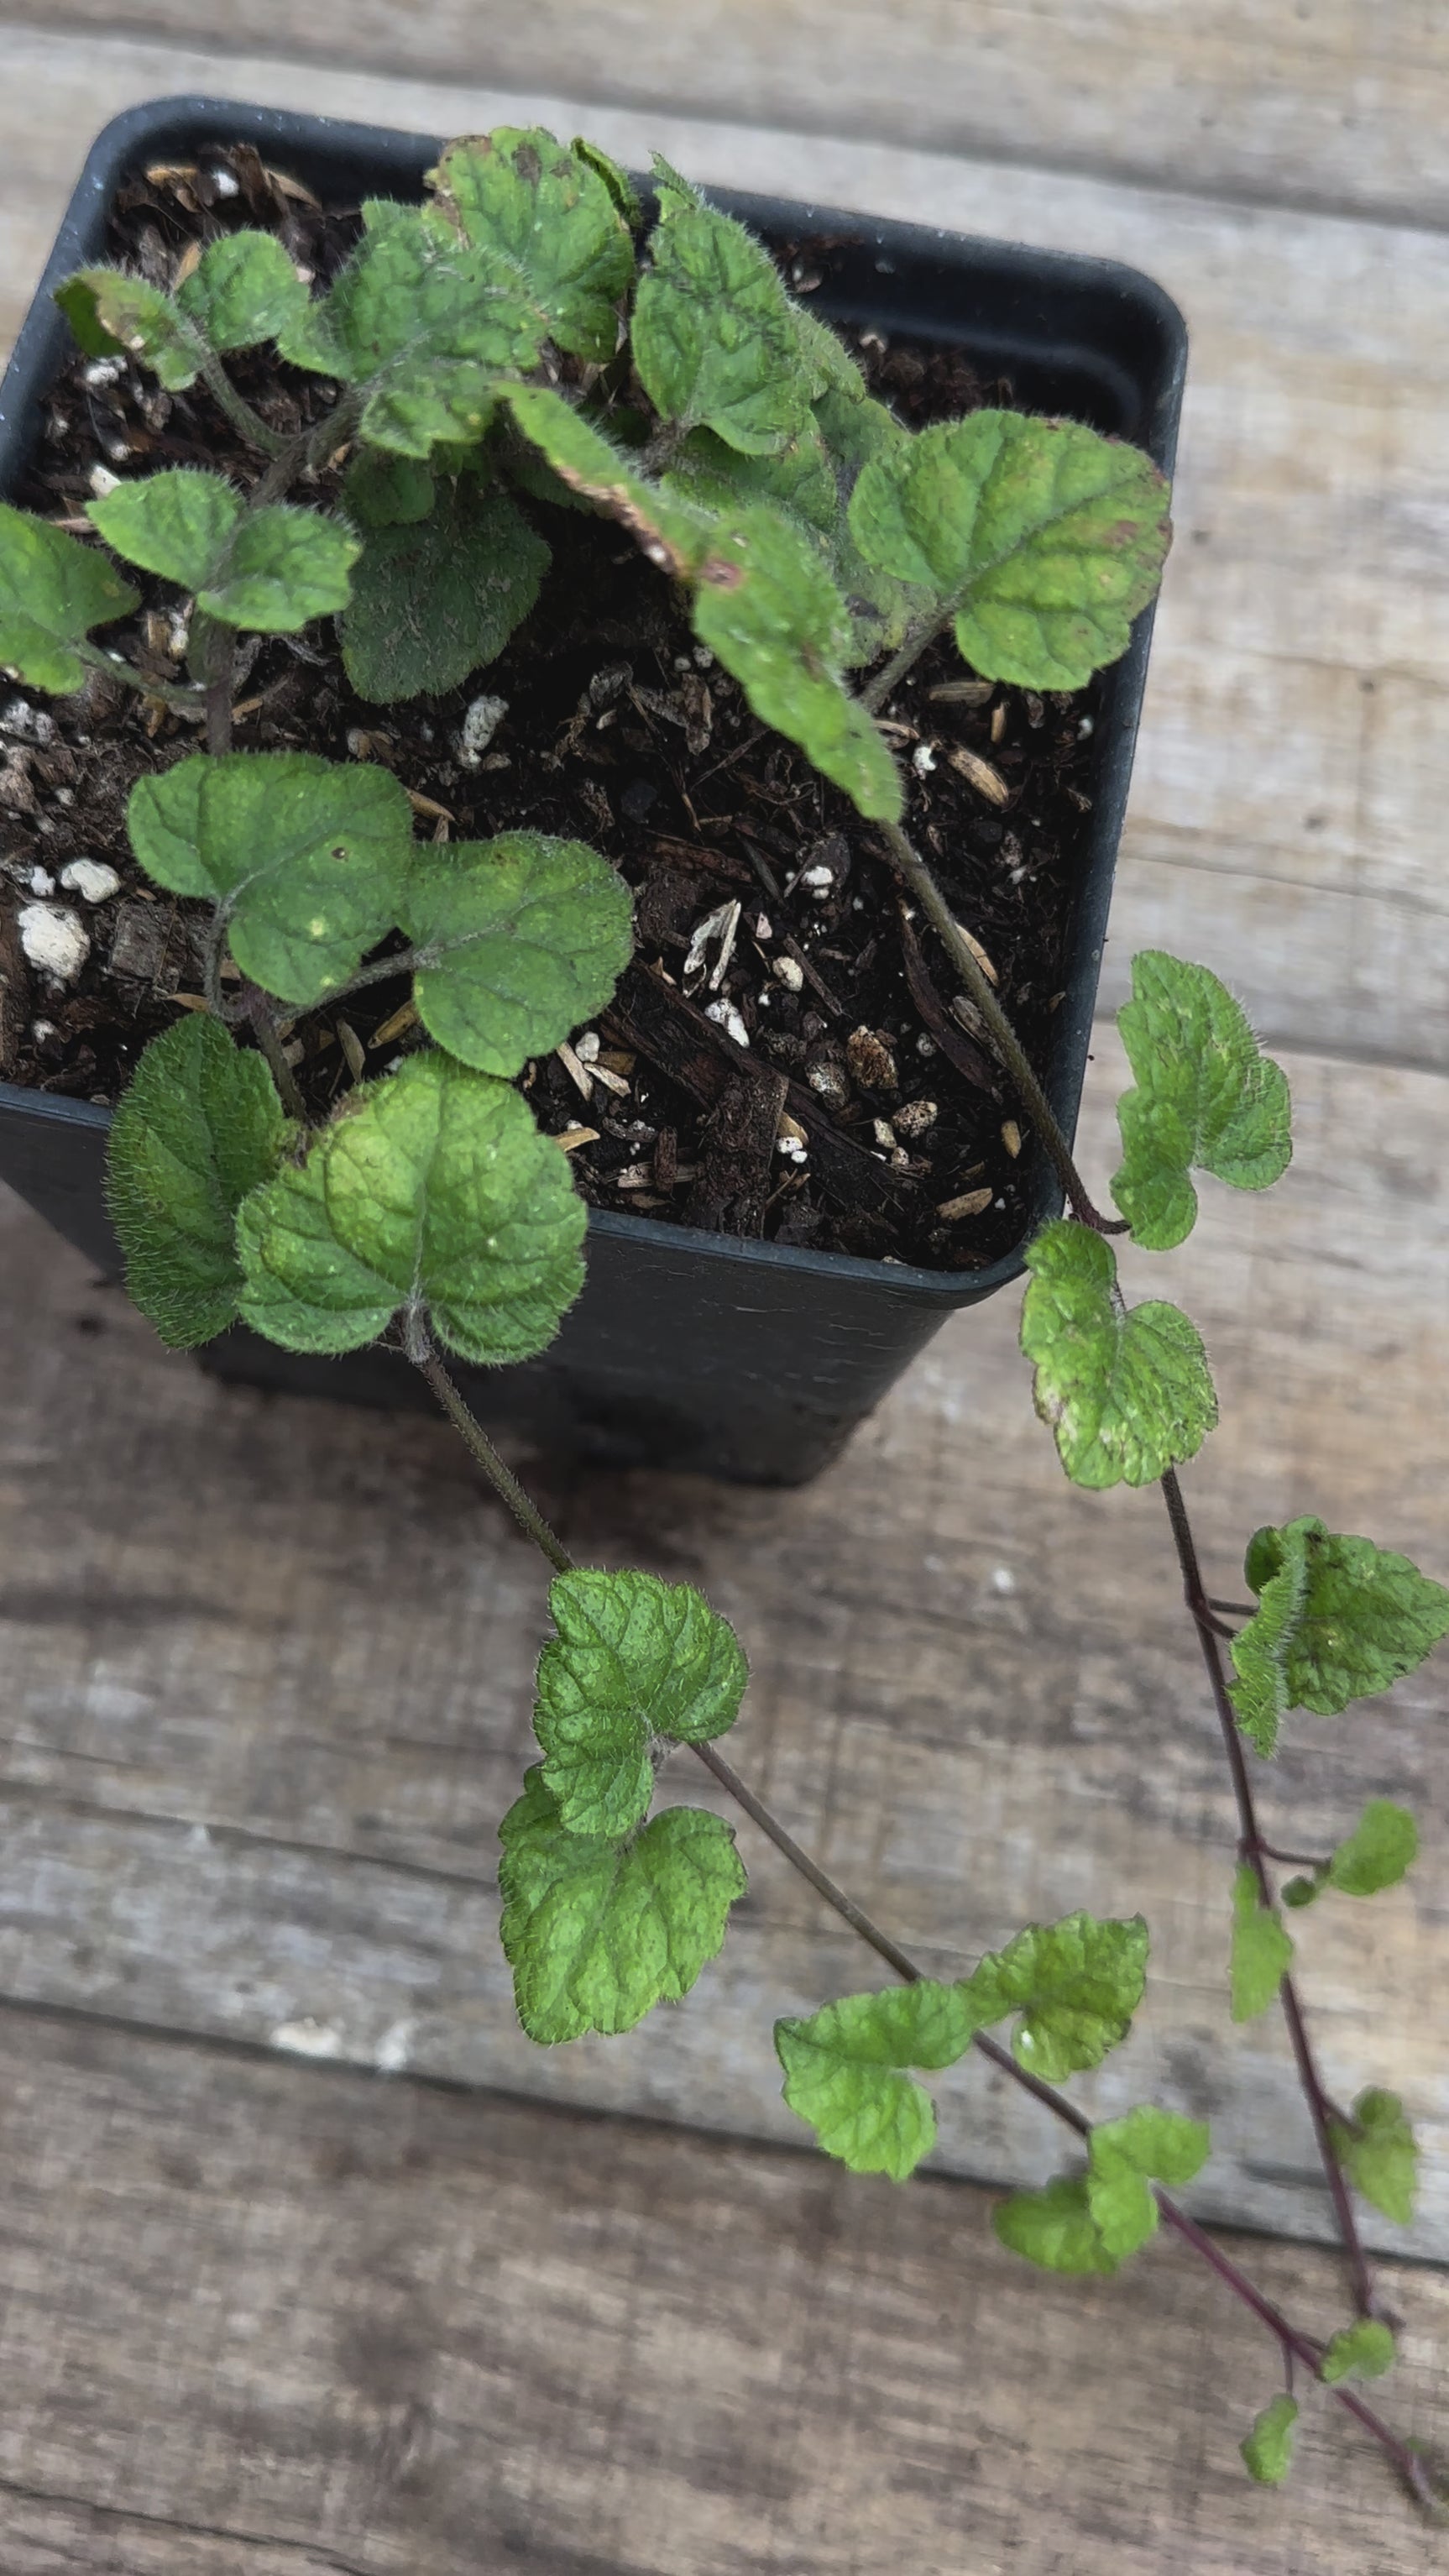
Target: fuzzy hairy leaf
[(1053, 2228), (283, 567), (243, 290), (1261, 1952), (1383, 1845), (433, 1190), (420, 323), (634, 1658), (524, 936), (1075, 1985), (618, 182), (853, 429), (675, 535), (598, 1932), (435, 597), (53, 590), (108, 310), (845, 2071), (1206, 1099), (715, 337), (177, 523), (1126, 1395), (1379, 2153), (385, 491), (1268, 2449), (772, 614), (547, 218), (307, 856), (1338, 1620), (1042, 537), (1364, 2350), (199, 1126), (1125, 2157), (798, 479)]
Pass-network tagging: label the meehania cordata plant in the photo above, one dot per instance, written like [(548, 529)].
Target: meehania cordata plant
[(521, 342)]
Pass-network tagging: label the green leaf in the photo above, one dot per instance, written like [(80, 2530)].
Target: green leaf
[(53, 590), (199, 1126), (674, 535), (1364, 2350), (106, 309), (831, 369), (386, 491), (283, 567), (881, 607), (1075, 1984), (548, 219), (524, 937), (435, 597), (432, 1190), (1124, 2157), (244, 289), (1338, 1620), (770, 611), (1379, 2154), (621, 187), (306, 856), (635, 1658), (1261, 1952), (1268, 2449), (1382, 1846), (1044, 539), (598, 1932), (844, 2072), (1127, 1395), (1206, 1099), (715, 338), (177, 523), (798, 480), (422, 325), (1053, 2228)]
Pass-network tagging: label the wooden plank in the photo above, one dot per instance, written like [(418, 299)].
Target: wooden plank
[(1286, 815), (1342, 105), (270, 2321), (268, 1688)]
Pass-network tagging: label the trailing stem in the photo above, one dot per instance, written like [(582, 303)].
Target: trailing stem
[(1257, 1853), (1292, 2341), (1009, 1048)]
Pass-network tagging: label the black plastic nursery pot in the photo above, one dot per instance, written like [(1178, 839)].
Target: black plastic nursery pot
[(749, 1360)]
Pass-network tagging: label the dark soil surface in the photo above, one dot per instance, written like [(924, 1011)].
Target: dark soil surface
[(775, 975)]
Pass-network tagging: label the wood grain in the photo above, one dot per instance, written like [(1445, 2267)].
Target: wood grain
[(267, 2321), (1285, 823), (1339, 104), (268, 1675)]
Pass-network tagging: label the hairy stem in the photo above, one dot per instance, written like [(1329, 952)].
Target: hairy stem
[(259, 1013), (891, 674), (1009, 1048), (1255, 1851), (213, 657), (1291, 2339), (239, 411)]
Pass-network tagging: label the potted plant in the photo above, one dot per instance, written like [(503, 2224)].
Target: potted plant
[(736, 1343), (354, 1131)]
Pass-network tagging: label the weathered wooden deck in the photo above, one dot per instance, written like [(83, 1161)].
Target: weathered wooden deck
[(312, 2263)]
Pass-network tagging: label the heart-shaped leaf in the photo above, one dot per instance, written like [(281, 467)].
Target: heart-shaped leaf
[(53, 590), (1206, 1099), (1261, 1951), (199, 1126), (598, 1932), (1338, 1619), (518, 940), (846, 2071), (1043, 539), (547, 219), (271, 569), (108, 310), (1379, 2153), (1076, 1985), (1126, 1393), (634, 1659), (433, 1193), (715, 339), (243, 290), (306, 857), (437, 594)]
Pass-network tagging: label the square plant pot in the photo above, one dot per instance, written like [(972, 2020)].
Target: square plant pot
[(750, 1360)]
